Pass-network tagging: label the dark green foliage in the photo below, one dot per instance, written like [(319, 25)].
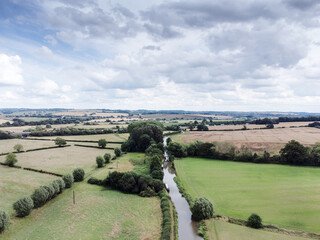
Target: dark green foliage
[(117, 152), (131, 182), (11, 159), (142, 134), (40, 196), (102, 143), (107, 157), (100, 161), (177, 149), (68, 180), (254, 221), (157, 174), (166, 216), (95, 181), (169, 140), (56, 188), (4, 135), (202, 127), (51, 191), (294, 153), (23, 206), (154, 149), (61, 185), (202, 149), (60, 141), (4, 221), (202, 209), (202, 230), (78, 174)]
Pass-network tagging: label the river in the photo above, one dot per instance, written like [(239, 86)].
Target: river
[(186, 227)]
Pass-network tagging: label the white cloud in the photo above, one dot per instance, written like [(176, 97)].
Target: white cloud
[(10, 71), (46, 87)]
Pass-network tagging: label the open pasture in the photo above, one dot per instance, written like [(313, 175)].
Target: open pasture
[(109, 137), (16, 183), (61, 160), (282, 195), (257, 140), (8, 144)]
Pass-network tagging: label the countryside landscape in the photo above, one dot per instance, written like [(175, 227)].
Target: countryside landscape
[(163, 119)]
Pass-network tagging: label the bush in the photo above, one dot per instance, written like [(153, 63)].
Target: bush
[(117, 152), (157, 174), (94, 180), (99, 161), (51, 191), (60, 141), (68, 180), (18, 147), (61, 185), (40, 197), (202, 209), (56, 188), (11, 159), (102, 143), (4, 220), (254, 221), (23, 206), (107, 157), (78, 174)]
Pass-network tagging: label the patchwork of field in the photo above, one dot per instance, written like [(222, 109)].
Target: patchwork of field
[(61, 160), (226, 231), (16, 183), (109, 137), (282, 195), (7, 145), (257, 140), (259, 126), (183, 116)]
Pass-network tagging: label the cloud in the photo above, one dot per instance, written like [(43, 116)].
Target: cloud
[(10, 73), (46, 87)]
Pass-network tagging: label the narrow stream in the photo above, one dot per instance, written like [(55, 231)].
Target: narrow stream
[(186, 227)]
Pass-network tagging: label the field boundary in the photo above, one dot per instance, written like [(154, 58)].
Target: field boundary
[(88, 141), (33, 170), (79, 145)]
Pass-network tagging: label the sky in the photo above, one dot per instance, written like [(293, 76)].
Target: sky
[(244, 55)]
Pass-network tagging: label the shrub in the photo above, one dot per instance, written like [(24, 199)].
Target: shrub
[(202, 209), (40, 197), (11, 159), (56, 188), (107, 157), (23, 206), (61, 185), (117, 152), (99, 161), (51, 191), (102, 143), (68, 180), (18, 147), (4, 220), (157, 174), (78, 174), (254, 221), (60, 141), (94, 180)]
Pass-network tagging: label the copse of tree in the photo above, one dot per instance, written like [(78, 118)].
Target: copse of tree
[(18, 147), (4, 135), (102, 143), (11, 159), (202, 209), (142, 135), (202, 127), (294, 153), (60, 141), (177, 149)]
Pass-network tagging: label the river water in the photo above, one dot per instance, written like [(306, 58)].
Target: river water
[(186, 227)]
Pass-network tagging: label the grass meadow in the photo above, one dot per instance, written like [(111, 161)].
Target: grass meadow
[(282, 195), (8, 144)]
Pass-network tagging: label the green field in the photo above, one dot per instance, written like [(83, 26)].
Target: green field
[(17, 183), (8, 144), (282, 195), (109, 137), (219, 230)]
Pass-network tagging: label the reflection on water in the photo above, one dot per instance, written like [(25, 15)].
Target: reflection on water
[(186, 227)]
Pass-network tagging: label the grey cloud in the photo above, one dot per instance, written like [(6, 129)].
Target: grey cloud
[(302, 5), (152, 48)]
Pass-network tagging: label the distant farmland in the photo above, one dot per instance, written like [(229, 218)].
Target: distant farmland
[(257, 140)]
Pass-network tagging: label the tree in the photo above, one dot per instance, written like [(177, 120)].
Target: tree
[(107, 157), (23, 206), (294, 153), (117, 152), (254, 221), (99, 161), (60, 141), (102, 143), (11, 159), (78, 174), (68, 180), (4, 220), (18, 147), (202, 209), (270, 126)]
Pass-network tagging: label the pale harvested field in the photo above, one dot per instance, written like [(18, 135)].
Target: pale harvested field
[(184, 116), (255, 126), (61, 160), (256, 140), (88, 112), (8, 144), (16, 183), (23, 128)]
